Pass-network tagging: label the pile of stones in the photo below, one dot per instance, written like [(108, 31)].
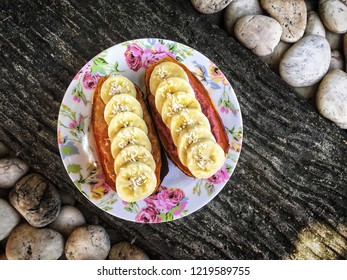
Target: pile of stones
[(40, 221), (304, 41)]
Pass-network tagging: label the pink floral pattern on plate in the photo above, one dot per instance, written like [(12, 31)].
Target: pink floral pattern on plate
[(178, 195)]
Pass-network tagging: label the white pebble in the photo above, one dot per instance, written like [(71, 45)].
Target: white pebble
[(334, 15), (306, 62), (88, 242), (68, 219), (29, 243), (332, 97), (11, 170), (9, 218), (261, 34), (237, 9), (210, 6)]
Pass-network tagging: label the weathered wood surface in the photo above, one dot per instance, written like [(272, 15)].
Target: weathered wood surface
[(287, 196)]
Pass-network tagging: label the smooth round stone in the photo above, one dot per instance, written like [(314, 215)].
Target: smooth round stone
[(36, 199), (9, 218), (306, 62), (88, 242), (29, 243), (4, 150), (331, 97), (261, 34), (11, 170), (68, 219), (126, 251), (238, 9), (273, 59), (337, 61), (314, 25), (210, 6), (291, 14), (334, 15)]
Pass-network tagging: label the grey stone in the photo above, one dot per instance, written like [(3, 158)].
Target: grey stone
[(9, 218), (314, 25), (11, 170), (36, 199), (292, 16), (259, 33), (237, 9), (68, 219), (334, 15), (306, 62), (210, 6), (337, 61), (331, 97), (29, 243), (88, 242), (126, 251)]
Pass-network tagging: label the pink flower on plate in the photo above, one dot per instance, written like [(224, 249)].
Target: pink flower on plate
[(90, 81), (224, 110), (220, 177), (133, 56), (73, 124), (152, 55), (148, 215), (165, 199)]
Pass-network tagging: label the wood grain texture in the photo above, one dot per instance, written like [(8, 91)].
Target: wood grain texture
[(288, 195)]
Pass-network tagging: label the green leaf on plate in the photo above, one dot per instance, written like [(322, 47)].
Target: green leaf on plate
[(74, 168)]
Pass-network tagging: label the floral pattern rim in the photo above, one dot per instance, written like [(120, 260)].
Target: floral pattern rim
[(178, 195)]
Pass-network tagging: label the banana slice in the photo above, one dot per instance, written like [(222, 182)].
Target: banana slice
[(168, 87), (191, 135), (133, 153), (125, 119), (116, 85), (177, 102), (122, 103), (205, 158), (187, 118), (135, 181), (127, 136), (163, 71)]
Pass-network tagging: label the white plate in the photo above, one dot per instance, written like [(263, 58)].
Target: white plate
[(178, 195)]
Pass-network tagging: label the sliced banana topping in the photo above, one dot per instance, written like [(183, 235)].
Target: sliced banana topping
[(181, 112), (186, 119), (130, 146), (191, 135), (116, 85), (133, 153), (164, 71), (205, 158), (122, 103), (127, 136), (168, 87), (177, 102), (135, 181), (125, 119)]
